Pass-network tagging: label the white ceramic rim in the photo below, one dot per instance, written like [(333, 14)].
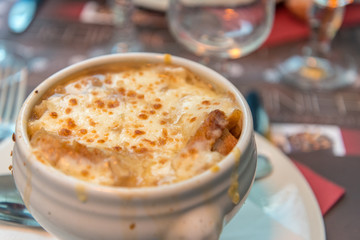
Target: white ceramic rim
[(227, 164)]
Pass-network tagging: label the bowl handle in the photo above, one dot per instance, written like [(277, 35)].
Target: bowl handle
[(198, 223)]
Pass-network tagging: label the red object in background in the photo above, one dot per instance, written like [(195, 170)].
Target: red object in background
[(62, 10), (352, 15), (351, 139), (287, 27), (326, 192), (71, 11)]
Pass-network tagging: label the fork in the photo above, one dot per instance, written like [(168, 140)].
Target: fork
[(13, 76)]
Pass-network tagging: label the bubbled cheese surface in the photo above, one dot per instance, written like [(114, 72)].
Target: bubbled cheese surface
[(141, 117)]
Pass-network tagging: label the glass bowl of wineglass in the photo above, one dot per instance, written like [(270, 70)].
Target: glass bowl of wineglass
[(220, 29)]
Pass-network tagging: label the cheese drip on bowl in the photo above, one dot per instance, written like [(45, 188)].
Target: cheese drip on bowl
[(134, 126)]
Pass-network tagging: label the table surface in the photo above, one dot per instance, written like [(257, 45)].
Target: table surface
[(57, 38)]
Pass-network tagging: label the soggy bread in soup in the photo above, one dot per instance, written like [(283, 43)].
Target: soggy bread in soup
[(134, 125)]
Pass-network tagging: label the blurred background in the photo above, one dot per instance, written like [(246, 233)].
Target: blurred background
[(320, 128)]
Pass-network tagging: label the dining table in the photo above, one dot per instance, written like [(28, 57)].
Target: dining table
[(64, 32)]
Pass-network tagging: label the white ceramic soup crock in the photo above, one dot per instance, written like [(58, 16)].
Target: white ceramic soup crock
[(196, 208)]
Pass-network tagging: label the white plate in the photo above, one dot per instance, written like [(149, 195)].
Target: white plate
[(280, 207), (159, 5)]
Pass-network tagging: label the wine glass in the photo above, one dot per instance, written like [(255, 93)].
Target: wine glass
[(124, 37), (317, 66), (220, 29)]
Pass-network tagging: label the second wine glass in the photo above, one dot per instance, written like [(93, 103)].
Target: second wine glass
[(221, 29), (317, 66)]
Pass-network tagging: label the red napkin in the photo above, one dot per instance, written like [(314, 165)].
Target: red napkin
[(351, 138), (326, 192), (286, 28)]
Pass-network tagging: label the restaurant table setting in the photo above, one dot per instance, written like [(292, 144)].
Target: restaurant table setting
[(310, 133)]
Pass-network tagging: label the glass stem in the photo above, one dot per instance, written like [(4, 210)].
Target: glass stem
[(215, 63), (324, 23), (227, 68)]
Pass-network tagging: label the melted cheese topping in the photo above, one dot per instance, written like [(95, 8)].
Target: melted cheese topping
[(140, 119)]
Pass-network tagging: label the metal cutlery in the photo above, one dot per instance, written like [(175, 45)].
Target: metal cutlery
[(13, 76)]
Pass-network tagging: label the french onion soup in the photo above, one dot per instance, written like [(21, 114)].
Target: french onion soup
[(134, 125)]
